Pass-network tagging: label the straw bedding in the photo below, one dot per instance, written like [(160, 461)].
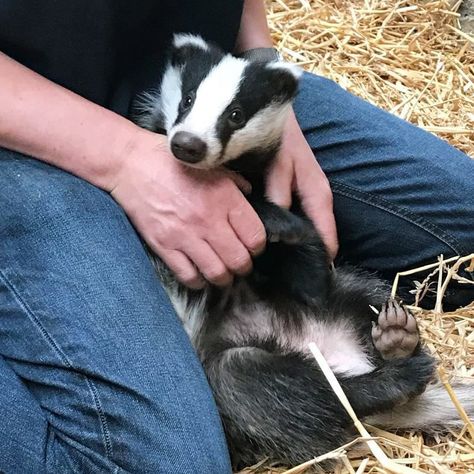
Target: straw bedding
[(412, 59), (408, 57)]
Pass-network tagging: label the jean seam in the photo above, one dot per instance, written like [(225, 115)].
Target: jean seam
[(50, 340), (399, 211)]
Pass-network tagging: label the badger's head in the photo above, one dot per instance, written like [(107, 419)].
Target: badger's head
[(217, 108)]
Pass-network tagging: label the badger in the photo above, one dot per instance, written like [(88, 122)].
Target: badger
[(252, 337)]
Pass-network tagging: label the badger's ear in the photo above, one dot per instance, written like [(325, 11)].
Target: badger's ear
[(284, 79), (184, 46), (183, 40)]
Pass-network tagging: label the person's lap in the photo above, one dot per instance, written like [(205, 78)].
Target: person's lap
[(401, 195), (97, 374), (95, 369)]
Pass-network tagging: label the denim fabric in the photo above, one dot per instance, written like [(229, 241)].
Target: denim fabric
[(96, 372), (401, 195)]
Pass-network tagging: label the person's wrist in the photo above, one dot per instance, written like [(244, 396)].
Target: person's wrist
[(136, 146), (261, 54)]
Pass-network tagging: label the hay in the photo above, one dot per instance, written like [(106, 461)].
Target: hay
[(411, 59)]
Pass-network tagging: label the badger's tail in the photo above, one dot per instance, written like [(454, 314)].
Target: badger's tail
[(431, 411)]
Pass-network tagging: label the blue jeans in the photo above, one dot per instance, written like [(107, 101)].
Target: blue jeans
[(401, 196), (96, 372)]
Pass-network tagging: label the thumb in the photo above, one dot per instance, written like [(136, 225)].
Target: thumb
[(279, 183), (322, 217), (317, 201), (244, 186)]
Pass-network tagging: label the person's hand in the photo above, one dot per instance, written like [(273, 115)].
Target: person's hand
[(199, 223), (296, 169)]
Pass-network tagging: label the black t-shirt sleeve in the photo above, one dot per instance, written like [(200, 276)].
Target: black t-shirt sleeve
[(108, 50)]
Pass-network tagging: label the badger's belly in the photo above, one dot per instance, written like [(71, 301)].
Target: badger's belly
[(247, 320), (338, 340), (339, 343)]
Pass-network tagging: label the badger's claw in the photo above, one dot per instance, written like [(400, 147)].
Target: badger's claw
[(396, 333)]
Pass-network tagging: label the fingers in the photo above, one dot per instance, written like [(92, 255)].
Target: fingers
[(239, 180), (182, 267), (231, 251), (296, 169), (316, 198), (212, 268), (279, 182), (213, 249), (248, 227), (195, 264), (323, 219)]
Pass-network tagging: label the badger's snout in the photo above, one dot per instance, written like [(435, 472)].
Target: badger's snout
[(188, 147)]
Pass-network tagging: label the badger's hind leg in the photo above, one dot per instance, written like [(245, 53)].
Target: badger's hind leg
[(278, 404), (395, 335)]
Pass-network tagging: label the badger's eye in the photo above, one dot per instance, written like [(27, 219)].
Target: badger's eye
[(187, 101), (236, 117)]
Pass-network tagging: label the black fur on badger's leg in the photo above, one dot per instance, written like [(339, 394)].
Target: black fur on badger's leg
[(280, 405), (281, 225), (295, 261), (293, 270)]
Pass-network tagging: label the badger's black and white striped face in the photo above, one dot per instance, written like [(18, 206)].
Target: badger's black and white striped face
[(216, 108)]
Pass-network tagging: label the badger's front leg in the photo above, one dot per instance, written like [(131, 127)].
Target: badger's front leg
[(295, 261), (281, 225)]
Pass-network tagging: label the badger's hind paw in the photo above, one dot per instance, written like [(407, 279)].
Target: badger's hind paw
[(396, 333)]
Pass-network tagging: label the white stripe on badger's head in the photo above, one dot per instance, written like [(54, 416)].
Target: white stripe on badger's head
[(212, 97), (170, 95)]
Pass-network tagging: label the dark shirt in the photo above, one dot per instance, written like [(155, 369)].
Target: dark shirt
[(108, 50)]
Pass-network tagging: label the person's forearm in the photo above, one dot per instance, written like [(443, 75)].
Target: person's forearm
[(254, 31), (46, 121)]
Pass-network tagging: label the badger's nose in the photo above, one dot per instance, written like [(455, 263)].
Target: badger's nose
[(188, 147)]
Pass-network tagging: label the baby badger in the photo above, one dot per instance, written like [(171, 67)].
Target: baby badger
[(252, 337)]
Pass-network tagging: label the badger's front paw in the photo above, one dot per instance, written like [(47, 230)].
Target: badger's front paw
[(396, 333), (293, 230)]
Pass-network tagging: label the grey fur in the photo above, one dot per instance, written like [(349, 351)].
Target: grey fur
[(431, 411), (147, 111)]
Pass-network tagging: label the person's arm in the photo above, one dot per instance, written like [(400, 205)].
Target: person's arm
[(199, 225), (254, 31), (295, 168), (44, 120)]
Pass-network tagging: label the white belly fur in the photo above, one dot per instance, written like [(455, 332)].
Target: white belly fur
[(339, 345), (337, 341)]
